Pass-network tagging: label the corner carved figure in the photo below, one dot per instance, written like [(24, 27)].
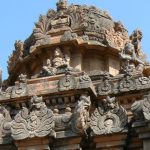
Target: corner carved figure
[(132, 52), (35, 121), (80, 120), (136, 38), (5, 123), (109, 117)]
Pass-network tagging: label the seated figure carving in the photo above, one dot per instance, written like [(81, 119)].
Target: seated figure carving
[(129, 56), (58, 60), (48, 69), (60, 63)]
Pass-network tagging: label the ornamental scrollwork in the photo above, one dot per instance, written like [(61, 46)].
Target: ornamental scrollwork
[(37, 121), (109, 117)]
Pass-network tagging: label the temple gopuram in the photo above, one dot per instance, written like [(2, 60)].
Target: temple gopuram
[(78, 82)]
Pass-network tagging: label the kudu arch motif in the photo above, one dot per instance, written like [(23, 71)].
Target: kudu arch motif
[(108, 117), (35, 121)]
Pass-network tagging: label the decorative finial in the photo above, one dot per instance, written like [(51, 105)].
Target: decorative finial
[(62, 5)]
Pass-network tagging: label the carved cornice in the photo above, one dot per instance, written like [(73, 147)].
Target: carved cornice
[(121, 84)]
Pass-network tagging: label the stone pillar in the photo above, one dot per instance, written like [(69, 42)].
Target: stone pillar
[(110, 142), (67, 141), (34, 144)]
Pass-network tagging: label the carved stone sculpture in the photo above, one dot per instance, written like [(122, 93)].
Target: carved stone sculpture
[(137, 111), (41, 32), (20, 88), (136, 38), (128, 55), (62, 121), (109, 117), (68, 82), (36, 121), (105, 87), (61, 5), (58, 59), (5, 123), (68, 36), (80, 120), (16, 56), (117, 36), (59, 64), (141, 109), (127, 83), (97, 25), (48, 70)]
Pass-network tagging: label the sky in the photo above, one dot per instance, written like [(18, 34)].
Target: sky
[(18, 18)]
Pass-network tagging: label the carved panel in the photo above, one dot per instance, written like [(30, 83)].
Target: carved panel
[(68, 82), (108, 117), (36, 121)]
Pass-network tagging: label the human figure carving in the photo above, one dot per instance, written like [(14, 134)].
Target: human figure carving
[(48, 69), (129, 57), (58, 60)]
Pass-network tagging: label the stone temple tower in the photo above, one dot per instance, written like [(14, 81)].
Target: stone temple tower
[(79, 82)]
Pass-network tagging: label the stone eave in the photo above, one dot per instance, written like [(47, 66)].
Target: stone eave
[(49, 86)]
